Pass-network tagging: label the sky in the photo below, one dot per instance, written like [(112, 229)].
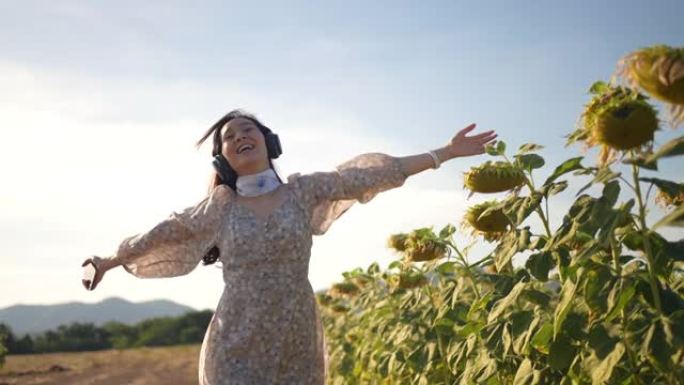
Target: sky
[(101, 104)]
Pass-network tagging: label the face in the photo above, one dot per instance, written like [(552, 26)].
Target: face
[(240, 132)]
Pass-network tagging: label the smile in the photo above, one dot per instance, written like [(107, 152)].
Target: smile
[(245, 147)]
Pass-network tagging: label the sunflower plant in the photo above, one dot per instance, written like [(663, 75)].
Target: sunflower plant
[(597, 298)]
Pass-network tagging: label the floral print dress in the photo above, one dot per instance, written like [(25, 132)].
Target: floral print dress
[(266, 328)]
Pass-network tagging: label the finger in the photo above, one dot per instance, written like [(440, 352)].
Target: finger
[(467, 129), (482, 135), (487, 139)]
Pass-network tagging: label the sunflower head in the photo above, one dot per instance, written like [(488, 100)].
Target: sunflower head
[(617, 118), (324, 299), (345, 288), (423, 245), (397, 241), (491, 225), (493, 177), (667, 199), (658, 70)]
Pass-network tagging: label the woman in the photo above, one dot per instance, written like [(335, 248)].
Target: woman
[(266, 328)]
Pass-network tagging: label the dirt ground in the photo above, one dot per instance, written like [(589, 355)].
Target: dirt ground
[(176, 365)]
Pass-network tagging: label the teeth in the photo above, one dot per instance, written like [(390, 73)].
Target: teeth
[(246, 146)]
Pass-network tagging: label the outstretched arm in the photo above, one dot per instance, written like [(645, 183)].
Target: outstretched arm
[(459, 145)]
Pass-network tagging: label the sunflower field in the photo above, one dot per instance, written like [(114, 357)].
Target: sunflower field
[(598, 299)]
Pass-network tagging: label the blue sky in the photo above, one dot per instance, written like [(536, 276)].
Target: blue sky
[(101, 103)]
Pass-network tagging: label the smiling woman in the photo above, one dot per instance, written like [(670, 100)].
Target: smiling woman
[(266, 328)]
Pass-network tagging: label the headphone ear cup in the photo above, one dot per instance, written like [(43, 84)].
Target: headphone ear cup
[(222, 167), (273, 146)]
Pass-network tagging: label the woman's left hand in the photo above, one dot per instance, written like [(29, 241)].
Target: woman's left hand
[(462, 145)]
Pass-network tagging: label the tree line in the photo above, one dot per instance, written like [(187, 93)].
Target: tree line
[(159, 331)]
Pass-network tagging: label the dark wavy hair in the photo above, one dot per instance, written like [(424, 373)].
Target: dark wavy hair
[(215, 130)]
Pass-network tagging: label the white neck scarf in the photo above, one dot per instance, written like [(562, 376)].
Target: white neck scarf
[(257, 184)]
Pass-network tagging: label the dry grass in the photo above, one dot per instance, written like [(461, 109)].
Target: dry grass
[(148, 366)]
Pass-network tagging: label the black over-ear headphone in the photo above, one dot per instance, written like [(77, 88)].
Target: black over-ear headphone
[(220, 162)]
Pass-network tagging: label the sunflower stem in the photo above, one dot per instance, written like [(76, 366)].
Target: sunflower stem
[(647, 243), (464, 261), (538, 210), (615, 252)]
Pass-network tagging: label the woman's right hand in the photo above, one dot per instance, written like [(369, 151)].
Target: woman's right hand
[(101, 268)]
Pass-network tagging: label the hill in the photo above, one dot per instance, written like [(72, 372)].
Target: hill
[(35, 319)]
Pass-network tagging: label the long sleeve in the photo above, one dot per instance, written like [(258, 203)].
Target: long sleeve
[(328, 195), (176, 245)]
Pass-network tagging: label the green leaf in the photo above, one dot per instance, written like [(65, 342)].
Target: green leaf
[(564, 168), (672, 148), (603, 175), (529, 162), (623, 298), (554, 188), (506, 249), (656, 347), (564, 305), (574, 325), (490, 149), (674, 219), (507, 302), (597, 286), (527, 205), (541, 339), (501, 147), (529, 147), (600, 341), (599, 87), (611, 191), (539, 265), (641, 161), (674, 250), (526, 374), (447, 231), (446, 267), (479, 305), (537, 297), (561, 353), (603, 371), (669, 187), (524, 238), (520, 321)]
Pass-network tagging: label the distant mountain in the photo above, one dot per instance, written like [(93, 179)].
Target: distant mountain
[(39, 318)]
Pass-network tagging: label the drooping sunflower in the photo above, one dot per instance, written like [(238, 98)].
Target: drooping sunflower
[(666, 199), (491, 225), (422, 245), (324, 299), (493, 177), (346, 288), (658, 70), (618, 119), (397, 241)]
